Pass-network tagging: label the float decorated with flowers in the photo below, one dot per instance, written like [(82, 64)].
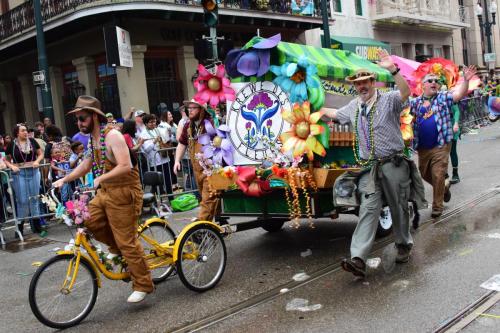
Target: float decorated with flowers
[(275, 155)]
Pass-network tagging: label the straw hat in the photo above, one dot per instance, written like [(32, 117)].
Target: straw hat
[(193, 101), (88, 103), (361, 74)]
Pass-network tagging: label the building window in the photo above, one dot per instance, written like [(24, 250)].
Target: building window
[(359, 7), (4, 6), (337, 6), (162, 79), (438, 52), (397, 50)]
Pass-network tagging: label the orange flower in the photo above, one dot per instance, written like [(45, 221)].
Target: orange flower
[(301, 138)]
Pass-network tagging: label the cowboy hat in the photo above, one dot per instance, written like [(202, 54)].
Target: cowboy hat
[(88, 103), (193, 101), (361, 74)]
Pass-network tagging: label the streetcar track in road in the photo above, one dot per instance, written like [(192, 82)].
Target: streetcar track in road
[(469, 314), (276, 292)]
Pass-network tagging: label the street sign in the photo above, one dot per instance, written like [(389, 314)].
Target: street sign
[(39, 78), (490, 57), (118, 47)]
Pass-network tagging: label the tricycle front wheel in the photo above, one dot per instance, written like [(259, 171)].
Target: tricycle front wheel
[(54, 300)]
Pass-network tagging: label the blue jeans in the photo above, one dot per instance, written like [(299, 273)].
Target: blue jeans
[(66, 192), (26, 186)]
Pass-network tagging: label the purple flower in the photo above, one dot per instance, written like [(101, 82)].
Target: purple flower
[(269, 123), (253, 59), (216, 146), (261, 99), (248, 126)]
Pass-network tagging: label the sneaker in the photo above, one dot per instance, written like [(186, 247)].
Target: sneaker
[(355, 266), (136, 297), (404, 252), (455, 179), (447, 193)]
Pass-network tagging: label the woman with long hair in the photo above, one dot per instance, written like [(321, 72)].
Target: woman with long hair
[(23, 157)]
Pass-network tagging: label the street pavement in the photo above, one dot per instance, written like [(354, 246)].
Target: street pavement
[(450, 261)]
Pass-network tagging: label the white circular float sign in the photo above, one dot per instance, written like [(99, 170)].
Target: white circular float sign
[(256, 112)]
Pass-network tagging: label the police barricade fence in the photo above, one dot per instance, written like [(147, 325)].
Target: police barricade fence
[(20, 197), (473, 112), (183, 182)]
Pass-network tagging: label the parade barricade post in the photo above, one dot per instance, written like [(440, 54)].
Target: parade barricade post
[(473, 112), (14, 188), (184, 179)]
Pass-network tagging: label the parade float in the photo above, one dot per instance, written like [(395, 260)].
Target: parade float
[(276, 158)]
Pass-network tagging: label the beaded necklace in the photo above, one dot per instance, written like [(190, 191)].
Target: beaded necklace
[(370, 143), (98, 170), (24, 151)]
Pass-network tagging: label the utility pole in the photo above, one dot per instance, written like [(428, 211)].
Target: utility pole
[(43, 65), (326, 27)]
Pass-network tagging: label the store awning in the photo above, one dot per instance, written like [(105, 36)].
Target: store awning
[(331, 64), (364, 47)]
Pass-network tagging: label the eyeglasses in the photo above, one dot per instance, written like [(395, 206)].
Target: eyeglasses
[(193, 108), (82, 118), (432, 81)]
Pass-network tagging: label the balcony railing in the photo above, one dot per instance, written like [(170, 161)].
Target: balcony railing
[(439, 12), (21, 18)]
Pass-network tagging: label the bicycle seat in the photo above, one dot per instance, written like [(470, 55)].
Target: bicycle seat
[(148, 199), (152, 178)]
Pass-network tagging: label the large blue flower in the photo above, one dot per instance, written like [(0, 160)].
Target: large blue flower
[(296, 79)]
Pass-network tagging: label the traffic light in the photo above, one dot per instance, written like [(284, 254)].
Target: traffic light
[(210, 13)]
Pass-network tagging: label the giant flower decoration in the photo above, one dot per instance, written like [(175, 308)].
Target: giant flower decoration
[(406, 120), (213, 88), (299, 79), (445, 69), (253, 59), (301, 137), (216, 145)]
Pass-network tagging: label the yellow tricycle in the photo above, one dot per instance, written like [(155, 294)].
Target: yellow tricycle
[(64, 289)]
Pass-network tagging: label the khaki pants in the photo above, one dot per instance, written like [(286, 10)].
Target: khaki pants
[(433, 166), (208, 204), (394, 187), (114, 213)]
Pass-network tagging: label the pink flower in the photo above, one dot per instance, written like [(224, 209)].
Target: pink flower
[(213, 89)]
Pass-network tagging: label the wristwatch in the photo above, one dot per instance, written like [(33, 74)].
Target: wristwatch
[(396, 71)]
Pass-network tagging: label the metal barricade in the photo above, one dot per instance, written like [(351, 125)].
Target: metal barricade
[(183, 182), (473, 113), (20, 197)]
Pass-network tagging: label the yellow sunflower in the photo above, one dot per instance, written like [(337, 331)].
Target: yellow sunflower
[(301, 138)]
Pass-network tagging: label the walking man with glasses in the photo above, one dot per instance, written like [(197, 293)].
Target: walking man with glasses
[(433, 131)]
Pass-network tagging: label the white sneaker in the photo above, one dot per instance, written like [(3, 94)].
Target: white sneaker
[(111, 256), (136, 297)]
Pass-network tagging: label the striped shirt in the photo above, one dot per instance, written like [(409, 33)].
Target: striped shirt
[(386, 126)]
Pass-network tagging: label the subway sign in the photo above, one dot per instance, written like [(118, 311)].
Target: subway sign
[(367, 52)]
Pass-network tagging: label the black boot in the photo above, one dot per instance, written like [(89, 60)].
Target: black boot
[(455, 179)]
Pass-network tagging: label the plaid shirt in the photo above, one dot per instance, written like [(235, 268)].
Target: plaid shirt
[(443, 115)]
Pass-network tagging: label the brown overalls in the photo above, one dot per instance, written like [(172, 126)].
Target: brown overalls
[(114, 213), (208, 204)]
